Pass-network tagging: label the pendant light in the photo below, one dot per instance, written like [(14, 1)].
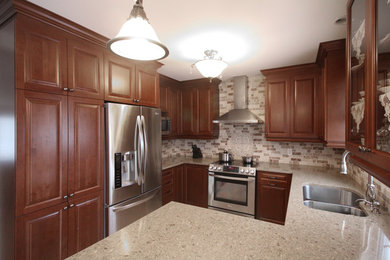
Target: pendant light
[(212, 65), (137, 39)]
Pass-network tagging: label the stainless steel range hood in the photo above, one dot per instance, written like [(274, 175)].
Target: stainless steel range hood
[(240, 114)]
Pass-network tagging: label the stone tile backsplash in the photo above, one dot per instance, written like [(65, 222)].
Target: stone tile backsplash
[(249, 139)]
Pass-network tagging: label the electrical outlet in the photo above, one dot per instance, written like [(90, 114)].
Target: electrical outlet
[(289, 151)]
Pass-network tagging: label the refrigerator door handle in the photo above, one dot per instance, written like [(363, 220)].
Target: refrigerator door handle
[(145, 152), (121, 208), (137, 147), (142, 149)]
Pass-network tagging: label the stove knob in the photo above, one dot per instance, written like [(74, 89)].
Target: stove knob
[(242, 170), (247, 171), (219, 168), (253, 172)]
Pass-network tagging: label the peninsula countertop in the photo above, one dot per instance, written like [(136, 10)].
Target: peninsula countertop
[(179, 231)]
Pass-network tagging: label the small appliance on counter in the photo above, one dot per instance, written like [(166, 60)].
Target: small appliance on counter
[(196, 152), (232, 187)]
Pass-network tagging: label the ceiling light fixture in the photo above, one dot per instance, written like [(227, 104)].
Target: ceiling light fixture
[(137, 39), (211, 66)]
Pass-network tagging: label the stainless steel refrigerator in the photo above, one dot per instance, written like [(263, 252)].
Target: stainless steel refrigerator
[(133, 166)]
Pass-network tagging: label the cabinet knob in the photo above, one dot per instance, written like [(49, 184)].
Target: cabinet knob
[(71, 205), (137, 100), (65, 197), (66, 207), (71, 195), (65, 89), (134, 100), (71, 90)]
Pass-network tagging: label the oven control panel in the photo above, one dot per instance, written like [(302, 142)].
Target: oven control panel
[(249, 171)]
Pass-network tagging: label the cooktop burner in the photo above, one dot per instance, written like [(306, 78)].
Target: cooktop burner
[(238, 163)]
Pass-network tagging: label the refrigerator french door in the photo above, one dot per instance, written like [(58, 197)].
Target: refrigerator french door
[(133, 164)]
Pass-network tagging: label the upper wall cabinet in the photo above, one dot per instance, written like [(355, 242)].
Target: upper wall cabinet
[(130, 82), (368, 86), (292, 104), (52, 61), (331, 58)]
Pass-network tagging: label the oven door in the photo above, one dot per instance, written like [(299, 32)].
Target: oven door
[(232, 192)]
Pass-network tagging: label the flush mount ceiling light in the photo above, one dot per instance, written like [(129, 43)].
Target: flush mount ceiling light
[(212, 65), (137, 39)]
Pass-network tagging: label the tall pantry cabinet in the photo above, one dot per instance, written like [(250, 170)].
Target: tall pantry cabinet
[(57, 87)]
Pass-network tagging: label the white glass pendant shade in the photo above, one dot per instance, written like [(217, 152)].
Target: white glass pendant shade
[(210, 66), (137, 40)]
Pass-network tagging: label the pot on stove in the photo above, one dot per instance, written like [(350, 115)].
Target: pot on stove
[(225, 156)]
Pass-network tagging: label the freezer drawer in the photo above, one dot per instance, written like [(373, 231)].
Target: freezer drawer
[(125, 213)]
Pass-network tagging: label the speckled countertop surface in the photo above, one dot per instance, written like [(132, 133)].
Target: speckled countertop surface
[(179, 231)]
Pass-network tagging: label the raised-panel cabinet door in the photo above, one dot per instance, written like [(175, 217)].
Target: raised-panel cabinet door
[(40, 56), (42, 150), (271, 204), (85, 222), (304, 111), (196, 185), (164, 98), (205, 110), (119, 80), (147, 89), (85, 69), (189, 106), (86, 146), (277, 108), (42, 234)]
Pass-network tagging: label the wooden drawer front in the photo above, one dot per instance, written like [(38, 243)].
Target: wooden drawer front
[(273, 183), (273, 176)]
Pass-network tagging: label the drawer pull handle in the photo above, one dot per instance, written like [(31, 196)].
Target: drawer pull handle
[(272, 184)]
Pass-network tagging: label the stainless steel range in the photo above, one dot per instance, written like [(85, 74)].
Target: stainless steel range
[(232, 187)]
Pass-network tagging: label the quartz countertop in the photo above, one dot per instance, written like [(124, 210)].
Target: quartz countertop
[(179, 231), (178, 160)]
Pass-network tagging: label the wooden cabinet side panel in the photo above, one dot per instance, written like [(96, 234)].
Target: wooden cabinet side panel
[(196, 185), (178, 182), (43, 234), (85, 69), (85, 222), (205, 111), (86, 146), (40, 56), (42, 150), (147, 86)]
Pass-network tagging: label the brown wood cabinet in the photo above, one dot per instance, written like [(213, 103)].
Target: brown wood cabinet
[(272, 194), (131, 82), (196, 185), (292, 104), (331, 58), (368, 72), (186, 184), (192, 106), (62, 230)]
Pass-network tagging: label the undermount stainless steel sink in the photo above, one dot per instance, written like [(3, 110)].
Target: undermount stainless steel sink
[(332, 199)]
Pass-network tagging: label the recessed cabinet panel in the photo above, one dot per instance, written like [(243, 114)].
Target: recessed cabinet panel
[(85, 222), (196, 185), (304, 112), (43, 234), (277, 112), (41, 178), (147, 90), (120, 80), (40, 56), (85, 69), (86, 145)]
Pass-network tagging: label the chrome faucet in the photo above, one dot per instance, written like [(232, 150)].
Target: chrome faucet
[(371, 197), (343, 169)]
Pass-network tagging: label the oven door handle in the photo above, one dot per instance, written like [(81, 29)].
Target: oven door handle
[(249, 179)]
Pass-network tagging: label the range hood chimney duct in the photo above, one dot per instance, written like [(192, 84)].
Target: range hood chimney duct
[(240, 114)]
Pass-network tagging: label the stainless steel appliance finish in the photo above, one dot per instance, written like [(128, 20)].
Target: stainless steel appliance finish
[(133, 168), (7, 140), (232, 188), (225, 157), (240, 113), (332, 199), (165, 125), (247, 159)]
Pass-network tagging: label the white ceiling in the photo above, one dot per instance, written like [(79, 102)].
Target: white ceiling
[(250, 35)]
